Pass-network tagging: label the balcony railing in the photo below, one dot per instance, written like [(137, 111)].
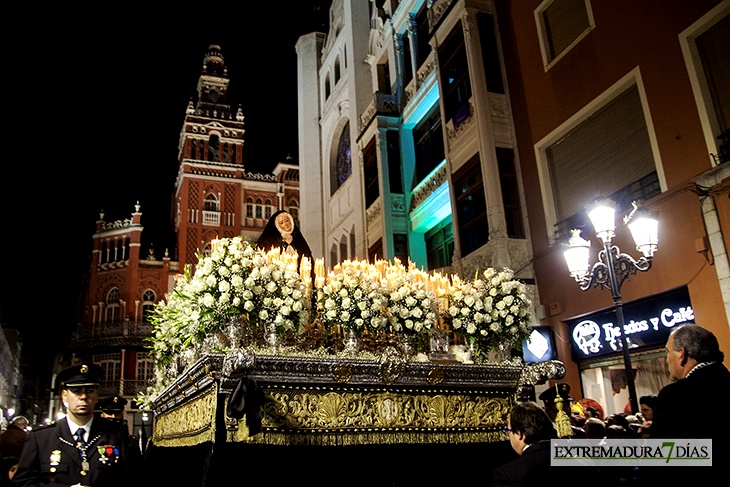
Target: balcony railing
[(212, 218), (115, 334)]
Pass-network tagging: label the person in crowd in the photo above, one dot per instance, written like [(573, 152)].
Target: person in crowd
[(8, 466), (695, 366), (530, 430), (592, 412), (112, 408), (595, 429), (556, 400), (12, 439), (82, 449), (647, 403), (11, 444)]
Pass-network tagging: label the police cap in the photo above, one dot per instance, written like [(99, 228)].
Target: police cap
[(112, 404), (79, 375), (549, 394)]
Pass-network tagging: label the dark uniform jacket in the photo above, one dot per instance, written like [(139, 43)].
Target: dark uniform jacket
[(677, 415), (50, 457)]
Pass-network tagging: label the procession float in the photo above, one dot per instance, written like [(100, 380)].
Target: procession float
[(264, 354)]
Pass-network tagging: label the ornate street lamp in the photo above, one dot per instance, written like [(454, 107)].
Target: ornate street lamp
[(613, 266)]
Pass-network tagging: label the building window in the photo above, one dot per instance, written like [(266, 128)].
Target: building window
[(145, 367), (375, 251), (429, 145), (713, 51), (455, 83), (471, 207), (423, 48), (440, 244), (213, 143), (561, 24), (400, 246), (249, 207), (490, 54), (383, 73), (510, 192), (267, 209), (111, 364), (112, 305), (343, 168), (211, 203), (149, 297), (614, 142), (407, 61), (370, 167), (259, 208)]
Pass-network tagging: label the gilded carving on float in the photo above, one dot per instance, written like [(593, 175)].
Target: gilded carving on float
[(436, 376), (342, 373), (189, 425), (316, 411)]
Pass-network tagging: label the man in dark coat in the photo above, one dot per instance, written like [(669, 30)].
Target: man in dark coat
[(530, 432), (81, 449), (695, 365)]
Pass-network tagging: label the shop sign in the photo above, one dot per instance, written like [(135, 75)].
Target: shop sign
[(648, 323)]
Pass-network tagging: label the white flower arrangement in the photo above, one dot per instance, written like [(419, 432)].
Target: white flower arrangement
[(279, 297), (490, 310), (237, 280), (353, 299), (240, 285), (412, 306)]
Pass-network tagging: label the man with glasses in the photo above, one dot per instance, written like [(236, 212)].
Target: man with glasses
[(82, 449)]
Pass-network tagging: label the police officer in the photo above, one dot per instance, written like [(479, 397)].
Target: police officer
[(112, 407), (81, 449)]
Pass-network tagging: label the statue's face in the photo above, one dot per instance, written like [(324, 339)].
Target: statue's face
[(284, 223)]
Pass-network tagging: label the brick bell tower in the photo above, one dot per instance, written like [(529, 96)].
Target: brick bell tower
[(208, 191)]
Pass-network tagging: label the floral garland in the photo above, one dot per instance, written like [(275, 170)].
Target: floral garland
[(491, 311)]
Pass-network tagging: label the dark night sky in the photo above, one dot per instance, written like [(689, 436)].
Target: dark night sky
[(93, 112)]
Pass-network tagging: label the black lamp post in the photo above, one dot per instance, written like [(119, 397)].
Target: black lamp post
[(613, 266)]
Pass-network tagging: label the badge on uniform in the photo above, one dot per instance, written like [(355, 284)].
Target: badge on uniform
[(55, 457), (108, 454)]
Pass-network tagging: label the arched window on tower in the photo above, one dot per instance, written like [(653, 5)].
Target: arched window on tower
[(103, 255), (148, 304), (259, 208), (267, 209), (112, 305), (211, 203), (327, 88), (249, 207), (337, 70), (213, 143), (343, 168)]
